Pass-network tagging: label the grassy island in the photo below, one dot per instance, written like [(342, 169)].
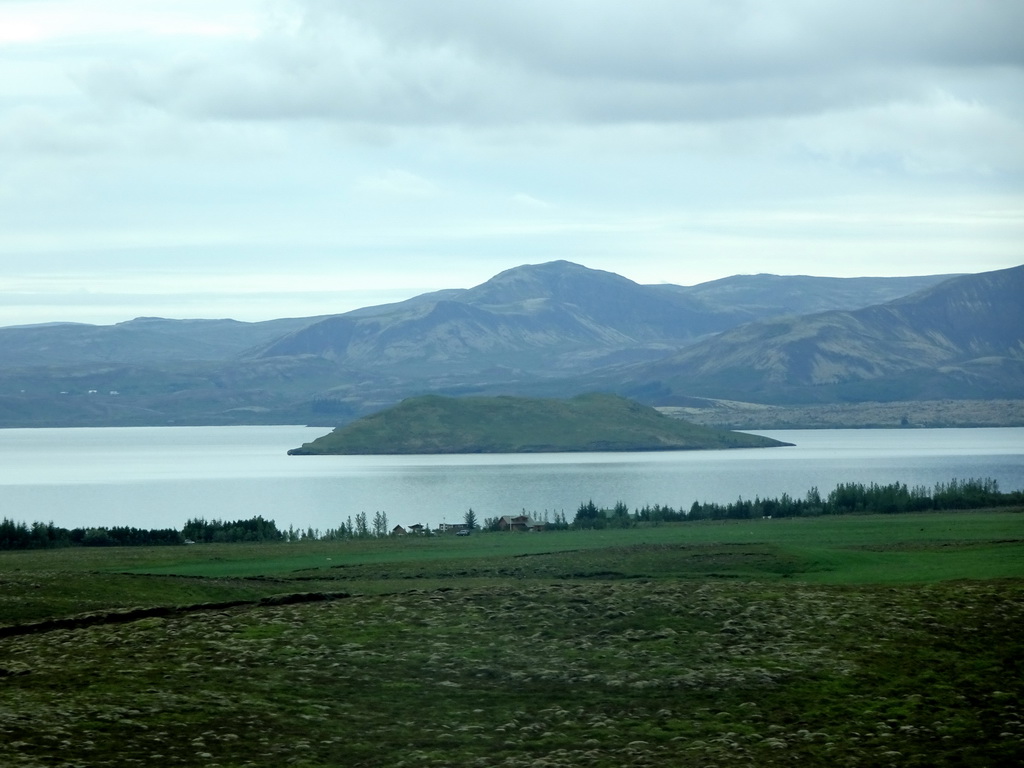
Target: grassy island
[(594, 422)]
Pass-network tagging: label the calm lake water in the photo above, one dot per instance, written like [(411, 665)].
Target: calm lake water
[(159, 477)]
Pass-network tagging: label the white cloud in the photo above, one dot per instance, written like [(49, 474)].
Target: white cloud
[(529, 201), (396, 183), (442, 142), (35, 21)]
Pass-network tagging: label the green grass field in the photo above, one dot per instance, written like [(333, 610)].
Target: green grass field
[(852, 640)]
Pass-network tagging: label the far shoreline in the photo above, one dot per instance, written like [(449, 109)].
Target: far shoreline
[(916, 414)]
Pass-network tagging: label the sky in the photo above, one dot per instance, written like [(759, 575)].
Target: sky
[(290, 158)]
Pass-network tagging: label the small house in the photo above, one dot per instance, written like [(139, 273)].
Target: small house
[(519, 523)]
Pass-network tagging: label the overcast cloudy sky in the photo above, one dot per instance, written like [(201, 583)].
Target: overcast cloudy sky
[(248, 159)]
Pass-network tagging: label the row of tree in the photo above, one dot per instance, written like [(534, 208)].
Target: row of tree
[(199, 529), (361, 528), (845, 498), (17, 535)]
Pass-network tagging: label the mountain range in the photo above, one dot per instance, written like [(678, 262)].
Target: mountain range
[(547, 330), (961, 338)]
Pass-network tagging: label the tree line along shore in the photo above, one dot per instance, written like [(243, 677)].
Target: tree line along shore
[(845, 498)]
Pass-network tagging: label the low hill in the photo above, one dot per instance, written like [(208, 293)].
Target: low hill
[(594, 422), (142, 341)]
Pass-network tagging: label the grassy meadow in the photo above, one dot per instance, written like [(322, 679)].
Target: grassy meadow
[(841, 641)]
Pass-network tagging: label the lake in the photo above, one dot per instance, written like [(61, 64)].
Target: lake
[(158, 477)]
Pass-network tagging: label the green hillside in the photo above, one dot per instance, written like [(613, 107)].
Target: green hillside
[(595, 422)]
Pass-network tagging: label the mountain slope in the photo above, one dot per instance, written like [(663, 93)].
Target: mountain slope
[(433, 424), (961, 338), (545, 330), (758, 297), (550, 316), (549, 319), (542, 316)]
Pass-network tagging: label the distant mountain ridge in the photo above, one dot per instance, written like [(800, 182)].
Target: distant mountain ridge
[(549, 330), (761, 296), (554, 315), (961, 338), (142, 340), (563, 317)]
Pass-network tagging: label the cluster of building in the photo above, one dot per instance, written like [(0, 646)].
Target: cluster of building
[(521, 523)]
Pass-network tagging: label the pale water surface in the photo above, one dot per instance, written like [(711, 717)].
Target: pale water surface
[(159, 477)]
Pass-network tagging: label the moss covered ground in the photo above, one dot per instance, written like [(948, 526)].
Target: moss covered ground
[(855, 641)]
